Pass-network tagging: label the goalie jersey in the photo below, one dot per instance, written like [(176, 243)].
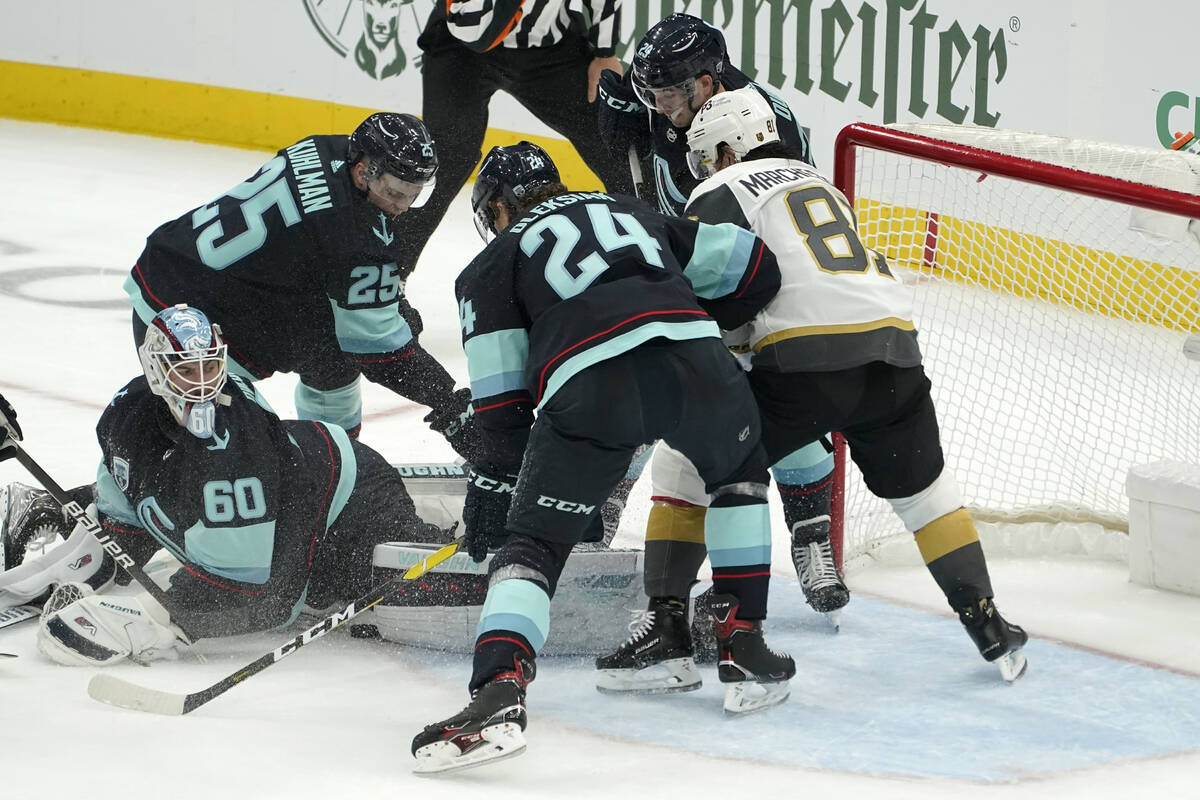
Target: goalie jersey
[(288, 261), (840, 305), (243, 511), (584, 277)]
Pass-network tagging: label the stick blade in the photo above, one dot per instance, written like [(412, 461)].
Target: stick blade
[(117, 692)]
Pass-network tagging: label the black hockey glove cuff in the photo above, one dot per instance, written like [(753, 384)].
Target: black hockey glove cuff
[(455, 420), (620, 116), (485, 511)]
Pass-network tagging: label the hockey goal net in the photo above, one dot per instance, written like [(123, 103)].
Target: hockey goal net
[(1057, 298)]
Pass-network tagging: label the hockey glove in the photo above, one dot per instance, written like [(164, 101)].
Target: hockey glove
[(8, 428), (455, 420), (485, 511), (620, 116)]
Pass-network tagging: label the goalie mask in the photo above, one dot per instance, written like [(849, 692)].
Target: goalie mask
[(742, 119), (183, 358)]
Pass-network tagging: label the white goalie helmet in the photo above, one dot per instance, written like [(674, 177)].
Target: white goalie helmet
[(184, 360), (740, 118)]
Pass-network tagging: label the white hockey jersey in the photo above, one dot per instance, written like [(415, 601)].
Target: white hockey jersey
[(839, 305)]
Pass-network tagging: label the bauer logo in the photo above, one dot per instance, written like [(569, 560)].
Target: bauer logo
[(376, 33), (1178, 120)]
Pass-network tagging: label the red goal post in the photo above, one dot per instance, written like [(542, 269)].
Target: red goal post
[(1057, 288)]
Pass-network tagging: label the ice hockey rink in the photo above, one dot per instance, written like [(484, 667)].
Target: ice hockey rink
[(896, 705)]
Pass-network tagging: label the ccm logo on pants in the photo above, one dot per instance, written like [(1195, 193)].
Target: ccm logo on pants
[(564, 505)]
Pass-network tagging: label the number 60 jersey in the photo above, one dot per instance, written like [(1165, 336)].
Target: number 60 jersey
[(839, 305)]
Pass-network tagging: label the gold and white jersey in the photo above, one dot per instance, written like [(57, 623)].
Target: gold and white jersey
[(839, 305)]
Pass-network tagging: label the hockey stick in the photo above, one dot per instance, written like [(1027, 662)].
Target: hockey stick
[(117, 692), (93, 527), (11, 616), (635, 172)]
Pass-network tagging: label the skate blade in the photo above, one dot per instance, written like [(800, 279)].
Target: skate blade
[(497, 743), (748, 697), (835, 619), (1012, 665), (665, 677)]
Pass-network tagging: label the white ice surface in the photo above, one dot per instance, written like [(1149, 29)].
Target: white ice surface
[(893, 705)]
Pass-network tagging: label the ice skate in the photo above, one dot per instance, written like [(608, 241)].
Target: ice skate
[(657, 656), (756, 676), (489, 729), (998, 640), (30, 522), (820, 578)]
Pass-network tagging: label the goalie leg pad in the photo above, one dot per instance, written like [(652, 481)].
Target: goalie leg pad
[(81, 628)]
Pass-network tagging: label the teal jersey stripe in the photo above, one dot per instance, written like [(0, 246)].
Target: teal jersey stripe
[(738, 535), (337, 406), (810, 463), (370, 330), (515, 604), (242, 553), (678, 331), (144, 311), (110, 500), (719, 259), (349, 473), (496, 362)]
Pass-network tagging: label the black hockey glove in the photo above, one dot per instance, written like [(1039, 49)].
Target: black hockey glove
[(8, 428), (620, 116), (485, 512), (455, 420)]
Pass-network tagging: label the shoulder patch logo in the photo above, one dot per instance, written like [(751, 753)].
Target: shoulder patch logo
[(120, 473)]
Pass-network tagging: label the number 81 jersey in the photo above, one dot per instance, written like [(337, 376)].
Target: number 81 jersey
[(840, 305)]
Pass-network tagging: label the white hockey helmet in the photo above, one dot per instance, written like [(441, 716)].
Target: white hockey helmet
[(740, 118), (183, 357)]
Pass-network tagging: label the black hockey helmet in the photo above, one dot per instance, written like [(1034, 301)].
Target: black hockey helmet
[(398, 144), (678, 48), (508, 173)]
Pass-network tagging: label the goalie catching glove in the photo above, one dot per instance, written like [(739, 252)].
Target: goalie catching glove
[(79, 628), (485, 511)]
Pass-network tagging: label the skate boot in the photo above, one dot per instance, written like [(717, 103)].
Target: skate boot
[(998, 640), (657, 656), (488, 729), (817, 569), (756, 675), (31, 521)]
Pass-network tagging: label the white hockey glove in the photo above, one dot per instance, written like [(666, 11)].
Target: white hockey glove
[(79, 628), (79, 558)]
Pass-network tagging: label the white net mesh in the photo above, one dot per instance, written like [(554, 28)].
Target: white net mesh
[(1052, 324)]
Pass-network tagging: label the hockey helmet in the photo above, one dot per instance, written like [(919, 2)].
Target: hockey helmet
[(742, 119), (184, 360), (509, 173), (671, 56), (398, 145)]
